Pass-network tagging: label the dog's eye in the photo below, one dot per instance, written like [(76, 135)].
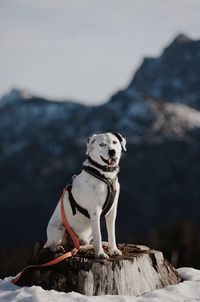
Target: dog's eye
[(114, 142), (102, 145)]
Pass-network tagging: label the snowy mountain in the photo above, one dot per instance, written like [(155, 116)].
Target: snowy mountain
[(42, 144)]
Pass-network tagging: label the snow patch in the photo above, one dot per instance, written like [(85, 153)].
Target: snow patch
[(188, 273), (187, 291), (185, 113)]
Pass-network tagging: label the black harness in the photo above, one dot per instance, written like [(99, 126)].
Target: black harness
[(111, 187)]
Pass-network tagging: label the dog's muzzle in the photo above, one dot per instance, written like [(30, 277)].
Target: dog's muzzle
[(111, 161)]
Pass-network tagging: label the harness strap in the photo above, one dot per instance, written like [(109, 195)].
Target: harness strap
[(109, 198), (97, 174), (64, 219), (74, 205), (111, 186)]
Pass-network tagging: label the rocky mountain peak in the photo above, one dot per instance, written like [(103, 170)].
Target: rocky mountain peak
[(15, 95), (182, 38), (174, 76)]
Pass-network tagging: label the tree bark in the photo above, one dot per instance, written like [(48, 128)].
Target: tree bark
[(139, 270)]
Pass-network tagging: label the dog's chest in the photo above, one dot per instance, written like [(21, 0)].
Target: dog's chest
[(89, 191)]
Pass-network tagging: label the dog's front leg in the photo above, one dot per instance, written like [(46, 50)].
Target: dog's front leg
[(96, 232), (110, 224)]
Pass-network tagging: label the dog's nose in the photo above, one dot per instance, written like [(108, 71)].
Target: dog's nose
[(111, 152)]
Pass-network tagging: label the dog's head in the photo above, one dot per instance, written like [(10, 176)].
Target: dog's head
[(106, 148)]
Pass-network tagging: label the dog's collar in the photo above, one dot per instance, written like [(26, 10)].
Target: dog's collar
[(103, 168)]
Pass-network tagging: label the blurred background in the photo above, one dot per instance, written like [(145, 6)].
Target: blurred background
[(73, 68)]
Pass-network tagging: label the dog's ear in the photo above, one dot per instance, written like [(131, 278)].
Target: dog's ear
[(122, 140), (90, 141)]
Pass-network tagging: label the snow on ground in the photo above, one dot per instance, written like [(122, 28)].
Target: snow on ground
[(187, 291)]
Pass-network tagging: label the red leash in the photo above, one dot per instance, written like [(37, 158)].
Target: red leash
[(64, 219), (71, 253)]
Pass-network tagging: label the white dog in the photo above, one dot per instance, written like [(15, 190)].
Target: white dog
[(94, 194)]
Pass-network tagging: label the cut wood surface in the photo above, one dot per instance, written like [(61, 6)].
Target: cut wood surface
[(139, 270)]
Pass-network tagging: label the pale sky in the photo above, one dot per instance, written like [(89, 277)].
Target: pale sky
[(85, 50)]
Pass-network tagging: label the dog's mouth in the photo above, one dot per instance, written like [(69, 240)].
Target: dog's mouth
[(110, 161)]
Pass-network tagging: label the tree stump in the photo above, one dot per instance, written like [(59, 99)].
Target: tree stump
[(139, 270)]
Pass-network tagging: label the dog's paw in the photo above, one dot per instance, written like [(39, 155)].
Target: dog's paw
[(102, 255), (115, 252), (59, 249)]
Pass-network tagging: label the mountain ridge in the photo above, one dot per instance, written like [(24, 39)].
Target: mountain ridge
[(174, 76)]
